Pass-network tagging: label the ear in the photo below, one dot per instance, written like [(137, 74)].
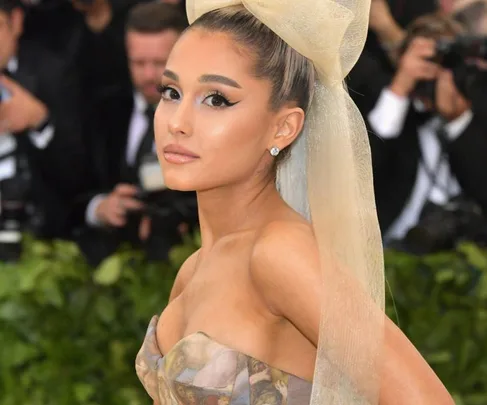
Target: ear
[(17, 21), (290, 122)]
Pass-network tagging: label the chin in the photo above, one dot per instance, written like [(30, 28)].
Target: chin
[(191, 177), (179, 183)]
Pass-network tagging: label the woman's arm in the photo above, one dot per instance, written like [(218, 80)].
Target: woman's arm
[(285, 268)]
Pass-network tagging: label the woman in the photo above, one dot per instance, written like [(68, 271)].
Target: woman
[(275, 307)]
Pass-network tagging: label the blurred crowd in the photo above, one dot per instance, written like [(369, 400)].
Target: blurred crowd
[(78, 90), (421, 85)]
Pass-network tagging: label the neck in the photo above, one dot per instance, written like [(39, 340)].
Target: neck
[(235, 208)]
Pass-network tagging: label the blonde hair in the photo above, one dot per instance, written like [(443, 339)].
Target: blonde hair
[(291, 74)]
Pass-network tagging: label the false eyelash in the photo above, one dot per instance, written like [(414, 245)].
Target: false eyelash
[(226, 102), (162, 88)]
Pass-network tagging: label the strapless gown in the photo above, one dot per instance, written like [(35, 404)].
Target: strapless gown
[(200, 371)]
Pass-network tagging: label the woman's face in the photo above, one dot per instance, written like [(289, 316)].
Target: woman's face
[(213, 125)]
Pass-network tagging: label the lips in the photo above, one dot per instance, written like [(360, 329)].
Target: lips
[(179, 155)]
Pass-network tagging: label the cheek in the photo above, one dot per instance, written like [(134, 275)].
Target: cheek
[(234, 145), (160, 126), (135, 73), (234, 132)]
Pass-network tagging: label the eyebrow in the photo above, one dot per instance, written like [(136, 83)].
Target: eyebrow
[(171, 75), (206, 79), (219, 79)]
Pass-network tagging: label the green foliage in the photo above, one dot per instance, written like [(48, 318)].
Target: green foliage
[(69, 333), (440, 302)]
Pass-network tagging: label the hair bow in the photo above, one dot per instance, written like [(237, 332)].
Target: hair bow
[(314, 28)]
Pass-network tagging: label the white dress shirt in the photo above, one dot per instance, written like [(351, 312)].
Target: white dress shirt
[(8, 142), (387, 120), (137, 129)]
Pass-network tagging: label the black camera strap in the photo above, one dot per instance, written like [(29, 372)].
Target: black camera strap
[(432, 172)]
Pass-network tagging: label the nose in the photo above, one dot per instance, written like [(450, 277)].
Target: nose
[(180, 122)]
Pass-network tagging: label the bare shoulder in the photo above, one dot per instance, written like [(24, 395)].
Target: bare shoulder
[(285, 262), (279, 232), (281, 241), (184, 275)]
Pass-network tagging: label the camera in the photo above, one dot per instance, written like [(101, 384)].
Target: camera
[(451, 52), (151, 183), (440, 228), (459, 55), (159, 201)]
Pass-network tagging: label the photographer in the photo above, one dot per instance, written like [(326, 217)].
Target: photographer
[(435, 142), (125, 146), (40, 122)]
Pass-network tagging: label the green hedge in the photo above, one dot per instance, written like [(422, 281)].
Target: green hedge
[(69, 333), (441, 304)]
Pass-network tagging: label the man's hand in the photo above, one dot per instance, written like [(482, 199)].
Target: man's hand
[(450, 103), (414, 67), (22, 111), (98, 14), (112, 211)]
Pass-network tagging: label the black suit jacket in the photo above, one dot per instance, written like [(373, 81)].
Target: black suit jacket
[(394, 161), (467, 161), (60, 171)]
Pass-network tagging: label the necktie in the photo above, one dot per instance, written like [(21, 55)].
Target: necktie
[(148, 138)]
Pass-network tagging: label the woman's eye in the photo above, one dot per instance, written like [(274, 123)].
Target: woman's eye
[(217, 100), (168, 93)]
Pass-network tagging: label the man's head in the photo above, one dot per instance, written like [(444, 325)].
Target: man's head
[(152, 30), (11, 25), (435, 26)]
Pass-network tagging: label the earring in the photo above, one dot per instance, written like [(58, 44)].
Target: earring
[(274, 151)]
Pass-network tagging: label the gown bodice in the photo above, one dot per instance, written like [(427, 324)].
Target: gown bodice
[(200, 371)]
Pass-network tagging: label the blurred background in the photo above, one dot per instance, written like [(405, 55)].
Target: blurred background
[(91, 240)]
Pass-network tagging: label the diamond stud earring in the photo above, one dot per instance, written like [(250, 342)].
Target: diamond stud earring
[(274, 151)]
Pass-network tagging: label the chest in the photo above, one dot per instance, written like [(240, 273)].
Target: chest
[(219, 299)]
